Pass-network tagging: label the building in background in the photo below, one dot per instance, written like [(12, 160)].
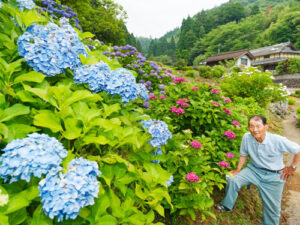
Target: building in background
[(269, 57)]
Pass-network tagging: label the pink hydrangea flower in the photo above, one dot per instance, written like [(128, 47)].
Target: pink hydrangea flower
[(181, 103), (227, 111), (177, 110), (244, 113), (152, 96), (185, 99), (229, 155), (195, 89), (227, 100), (229, 134), (236, 123), (215, 103), (192, 177), (178, 80), (173, 109), (180, 111), (162, 97), (215, 91), (209, 85), (195, 144), (223, 164)]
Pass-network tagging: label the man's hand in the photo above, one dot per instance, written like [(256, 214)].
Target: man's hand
[(286, 172), (234, 172)]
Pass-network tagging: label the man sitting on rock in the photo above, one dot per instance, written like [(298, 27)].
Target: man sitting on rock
[(265, 170)]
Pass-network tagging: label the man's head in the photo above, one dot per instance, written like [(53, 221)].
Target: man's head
[(258, 127)]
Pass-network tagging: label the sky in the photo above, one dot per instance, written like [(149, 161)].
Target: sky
[(156, 17)]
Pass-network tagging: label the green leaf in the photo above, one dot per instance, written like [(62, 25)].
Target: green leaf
[(13, 111), (107, 220), (73, 130), (101, 140), (21, 199), (85, 35), (109, 109), (19, 131), (18, 217), (4, 219), (25, 96), (48, 119), (77, 96), (39, 217), (68, 159), (160, 210), (100, 206), (3, 130), (32, 76), (31, 16)]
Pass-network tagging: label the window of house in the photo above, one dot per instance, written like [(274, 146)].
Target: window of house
[(244, 61), (266, 56)]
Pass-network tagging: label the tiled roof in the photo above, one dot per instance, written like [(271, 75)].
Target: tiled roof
[(282, 47), (229, 55)]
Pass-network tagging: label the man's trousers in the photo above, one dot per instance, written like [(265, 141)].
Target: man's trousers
[(270, 187)]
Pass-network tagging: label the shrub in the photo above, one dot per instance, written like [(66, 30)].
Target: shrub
[(291, 101), (205, 71), (253, 83), (297, 93), (290, 65), (190, 73)]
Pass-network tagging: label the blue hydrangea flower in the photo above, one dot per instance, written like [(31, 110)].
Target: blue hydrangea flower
[(28, 4), (34, 155), (143, 91), (64, 194), (170, 181), (0, 4), (122, 82), (159, 131), (95, 75), (157, 152), (51, 49)]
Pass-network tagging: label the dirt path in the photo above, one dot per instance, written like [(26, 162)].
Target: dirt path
[(291, 193)]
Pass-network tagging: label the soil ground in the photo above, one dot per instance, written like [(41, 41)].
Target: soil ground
[(291, 193)]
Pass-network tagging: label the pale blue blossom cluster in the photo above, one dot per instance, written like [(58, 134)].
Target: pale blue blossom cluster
[(157, 152), (170, 181), (159, 131), (51, 49), (28, 4), (143, 91), (34, 155), (64, 194), (95, 75), (0, 4), (122, 82), (115, 82)]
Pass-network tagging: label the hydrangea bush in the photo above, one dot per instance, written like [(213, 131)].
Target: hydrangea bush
[(64, 194), (34, 155), (51, 49)]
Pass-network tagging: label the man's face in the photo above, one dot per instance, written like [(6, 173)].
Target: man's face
[(257, 129)]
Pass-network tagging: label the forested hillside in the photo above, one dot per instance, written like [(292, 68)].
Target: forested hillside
[(235, 25)]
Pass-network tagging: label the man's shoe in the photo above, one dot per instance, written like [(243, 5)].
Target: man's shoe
[(221, 208)]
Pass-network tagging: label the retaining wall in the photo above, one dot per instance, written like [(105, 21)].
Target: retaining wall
[(289, 80)]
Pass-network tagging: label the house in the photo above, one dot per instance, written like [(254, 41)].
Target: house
[(244, 58), (269, 57)]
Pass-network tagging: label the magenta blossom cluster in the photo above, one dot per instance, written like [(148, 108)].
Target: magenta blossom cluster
[(229, 134), (162, 97), (236, 123), (183, 102), (178, 80), (195, 89), (192, 177), (195, 144), (223, 164), (151, 96), (216, 91), (177, 110), (215, 103), (229, 155), (227, 111)]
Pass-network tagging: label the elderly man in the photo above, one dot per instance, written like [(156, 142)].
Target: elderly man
[(266, 169)]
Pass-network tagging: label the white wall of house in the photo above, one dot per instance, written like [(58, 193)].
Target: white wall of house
[(243, 60)]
